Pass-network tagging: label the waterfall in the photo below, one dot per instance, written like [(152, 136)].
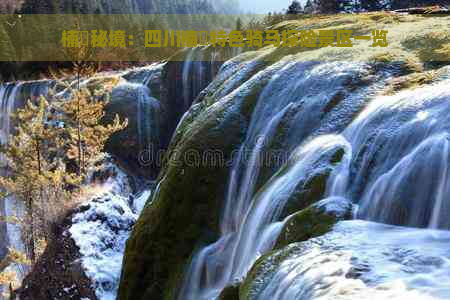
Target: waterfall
[(11, 232), (250, 223), (394, 167), (398, 167), (147, 108), (197, 72), (8, 94), (363, 260), (185, 77)]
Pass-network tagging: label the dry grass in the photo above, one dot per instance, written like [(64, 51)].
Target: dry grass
[(413, 39), (412, 81)]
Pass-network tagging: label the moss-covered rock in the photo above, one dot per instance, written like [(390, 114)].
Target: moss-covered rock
[(313, 187), (185, 208), (136, 146), (314, 221), (230, 292), (261, 272)]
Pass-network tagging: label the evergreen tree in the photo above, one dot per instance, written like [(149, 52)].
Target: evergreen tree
[(327, 6), (239, 24), (371, 5), (35, 167), (81, 115), (50, 152), (295, 8), (309, 7)]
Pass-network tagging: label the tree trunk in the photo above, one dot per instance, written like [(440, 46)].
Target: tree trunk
[(12, 294), (80, 167), (38, 155), (31, 230)]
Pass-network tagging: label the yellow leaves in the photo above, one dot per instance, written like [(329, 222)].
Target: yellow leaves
[(82, 113), (10, 220), (6, 277), (18, 257), (49, 134), (13, 256), (40, 246)]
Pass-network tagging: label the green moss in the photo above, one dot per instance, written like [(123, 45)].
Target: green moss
[(307, 193), (313, 221), (230, 292), (304, 225), (185, 209), (313, 188), (261, 272)]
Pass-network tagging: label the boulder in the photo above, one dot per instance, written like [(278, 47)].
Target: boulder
[(185, 208), (136, 146), (230, 292), (314, 221)]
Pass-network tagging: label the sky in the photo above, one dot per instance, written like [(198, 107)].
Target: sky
[(264, 6)]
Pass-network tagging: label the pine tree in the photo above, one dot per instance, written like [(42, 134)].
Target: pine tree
[(34, 162), (81, 115), (50, 152), (239, 24), (309, 7), (7, 277), (295, 8), (327, 6)]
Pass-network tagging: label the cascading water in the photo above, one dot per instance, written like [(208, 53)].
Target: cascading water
[(362, 260), (398, 142), (396, 168), (147, 111), (250, 223), (197, 72), (8, 94), (10, 232)]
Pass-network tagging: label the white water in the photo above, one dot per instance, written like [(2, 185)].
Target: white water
[(349, 263), (14, 95), (404, 141), (100, 230), (395, 167), (147, 111), (195, 76), (11, 208), (250, 224)]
